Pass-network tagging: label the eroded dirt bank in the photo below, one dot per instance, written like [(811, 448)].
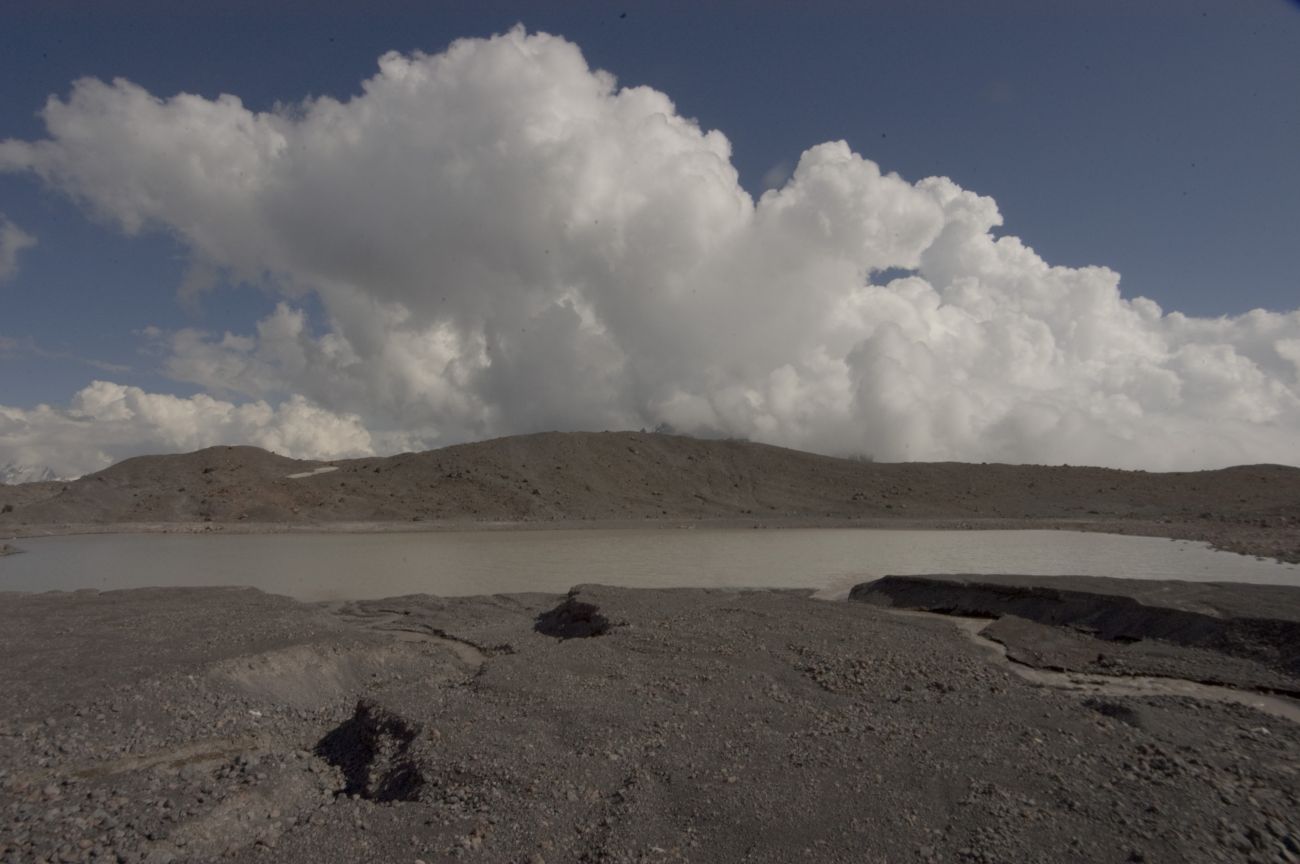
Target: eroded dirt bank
[(611, 725), (1207, 631)]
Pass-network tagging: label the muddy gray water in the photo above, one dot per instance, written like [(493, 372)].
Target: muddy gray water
[(358, 566)]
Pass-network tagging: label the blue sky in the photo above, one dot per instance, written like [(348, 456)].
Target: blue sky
[(1160, 143)]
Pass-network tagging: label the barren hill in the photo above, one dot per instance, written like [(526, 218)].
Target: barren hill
[(567, 477)]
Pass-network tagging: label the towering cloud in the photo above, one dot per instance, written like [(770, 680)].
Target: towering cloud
[(503, 240)]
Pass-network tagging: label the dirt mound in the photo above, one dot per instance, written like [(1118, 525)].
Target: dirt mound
[(312, 676), (215, 484), (580, 476), (573, 619)]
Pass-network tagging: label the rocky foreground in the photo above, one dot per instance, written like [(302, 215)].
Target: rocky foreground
[(585, 478), (644, 726)]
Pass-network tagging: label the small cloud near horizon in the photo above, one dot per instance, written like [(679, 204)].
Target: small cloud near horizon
[(13, 240)]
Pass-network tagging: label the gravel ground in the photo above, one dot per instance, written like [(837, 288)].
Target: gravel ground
[(610, 725)]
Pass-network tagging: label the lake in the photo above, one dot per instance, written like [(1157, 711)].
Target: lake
[(352, 566)]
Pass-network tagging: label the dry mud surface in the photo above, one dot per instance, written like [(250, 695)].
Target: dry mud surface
[(611, 725)]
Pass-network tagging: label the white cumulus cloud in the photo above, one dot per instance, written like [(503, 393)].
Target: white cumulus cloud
[(503, 240), (107, 422), (13, 240)]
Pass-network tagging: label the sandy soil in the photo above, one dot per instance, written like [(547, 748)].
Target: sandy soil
[(621, 479), (610, 725)]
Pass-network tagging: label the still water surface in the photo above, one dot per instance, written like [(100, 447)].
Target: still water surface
[(350, 566)]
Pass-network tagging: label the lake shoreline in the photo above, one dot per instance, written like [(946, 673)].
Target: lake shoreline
[(314, 566), (610, 724), (1279, 544), (626, 479)]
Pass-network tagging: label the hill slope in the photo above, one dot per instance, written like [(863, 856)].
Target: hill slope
[(626, 475)]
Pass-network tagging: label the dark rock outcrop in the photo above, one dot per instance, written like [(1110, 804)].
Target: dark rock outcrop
[(573, 619)]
